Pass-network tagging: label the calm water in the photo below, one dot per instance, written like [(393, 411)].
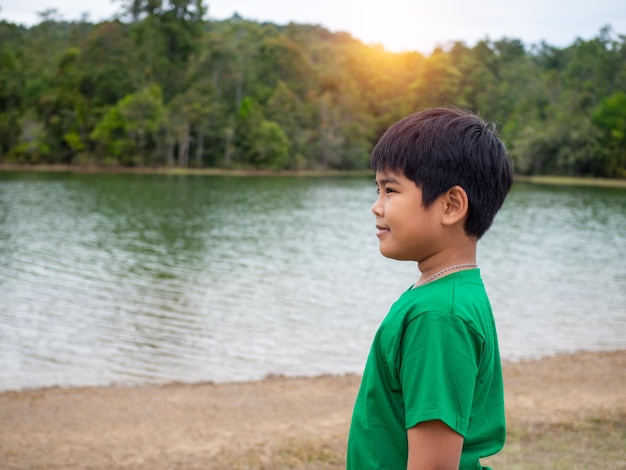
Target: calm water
[(135, 279)]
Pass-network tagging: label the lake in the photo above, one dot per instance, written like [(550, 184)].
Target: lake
[(133, 279)]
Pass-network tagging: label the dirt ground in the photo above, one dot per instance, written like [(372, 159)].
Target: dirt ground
[(269, 424)]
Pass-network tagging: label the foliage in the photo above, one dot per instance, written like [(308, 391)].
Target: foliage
[(610, 119), (129, 130), (163, 86)]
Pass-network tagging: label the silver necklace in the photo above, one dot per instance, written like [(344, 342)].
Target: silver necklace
[(444, 271)]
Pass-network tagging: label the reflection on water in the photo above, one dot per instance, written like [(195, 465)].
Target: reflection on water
[(131, 279)]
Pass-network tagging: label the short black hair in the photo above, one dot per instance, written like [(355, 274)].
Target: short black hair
[(443, 147)]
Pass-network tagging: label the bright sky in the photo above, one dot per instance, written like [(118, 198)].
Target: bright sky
[(398, 25)]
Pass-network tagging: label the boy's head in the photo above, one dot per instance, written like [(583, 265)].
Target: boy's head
[(443, 147)]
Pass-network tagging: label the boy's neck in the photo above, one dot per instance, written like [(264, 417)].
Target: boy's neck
[(455, 258), (444, 272)]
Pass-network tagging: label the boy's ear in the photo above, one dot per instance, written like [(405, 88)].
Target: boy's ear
[(455, 205)]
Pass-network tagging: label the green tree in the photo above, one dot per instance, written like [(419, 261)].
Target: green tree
[(167, 33), (268, 146), (12, 77), (65, 109), (610, 119), (163, 86), (108, 65), (437, 82), (130, 131), (32, 143)]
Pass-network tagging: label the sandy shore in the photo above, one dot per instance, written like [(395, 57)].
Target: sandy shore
[(269, 424)]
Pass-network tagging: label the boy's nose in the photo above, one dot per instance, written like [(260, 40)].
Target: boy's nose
[(377, 208)]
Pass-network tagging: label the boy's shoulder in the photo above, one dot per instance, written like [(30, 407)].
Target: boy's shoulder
[(461, 294)]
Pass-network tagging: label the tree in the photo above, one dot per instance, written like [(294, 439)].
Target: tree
[(268, 146), (32, 144), (609, 117), (129, 131), (65, 109), (437, 82), (162, 86), (108, 64), (12, 78), (167, 33)]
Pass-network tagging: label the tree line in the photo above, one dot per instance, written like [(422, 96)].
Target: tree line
[(162, 85)]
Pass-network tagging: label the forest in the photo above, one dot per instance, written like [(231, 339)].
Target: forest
[(161, 85)]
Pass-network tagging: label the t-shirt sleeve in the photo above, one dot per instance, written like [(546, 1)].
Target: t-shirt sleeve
[(438, 367)]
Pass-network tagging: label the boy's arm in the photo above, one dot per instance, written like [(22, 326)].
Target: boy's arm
[(433, 446)]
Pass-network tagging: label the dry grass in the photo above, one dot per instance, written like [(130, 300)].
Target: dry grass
[(594, 443)]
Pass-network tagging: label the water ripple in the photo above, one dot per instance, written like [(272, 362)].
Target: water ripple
[(135, 279)]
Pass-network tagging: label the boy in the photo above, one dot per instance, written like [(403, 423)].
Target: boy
[(431, 396)]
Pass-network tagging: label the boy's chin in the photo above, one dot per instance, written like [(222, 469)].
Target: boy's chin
[(393, 255)]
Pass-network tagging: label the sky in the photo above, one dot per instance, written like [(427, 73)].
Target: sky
[(398, 25)]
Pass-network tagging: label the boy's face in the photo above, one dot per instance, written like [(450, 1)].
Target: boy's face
[(406, 230)]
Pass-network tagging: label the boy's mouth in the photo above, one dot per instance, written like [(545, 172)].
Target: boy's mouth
[(380, 230)]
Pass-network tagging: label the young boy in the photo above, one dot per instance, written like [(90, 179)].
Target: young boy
[(431, 396)]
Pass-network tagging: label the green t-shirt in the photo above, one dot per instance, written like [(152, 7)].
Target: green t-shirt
[(435, 356)]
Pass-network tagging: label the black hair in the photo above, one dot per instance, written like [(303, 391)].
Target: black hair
[(443, 147)]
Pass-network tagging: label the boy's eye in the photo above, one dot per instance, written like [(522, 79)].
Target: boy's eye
[(387, 190)]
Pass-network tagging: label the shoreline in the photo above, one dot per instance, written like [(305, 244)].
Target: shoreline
[(278, 422), (506, 364), (190, 171)]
